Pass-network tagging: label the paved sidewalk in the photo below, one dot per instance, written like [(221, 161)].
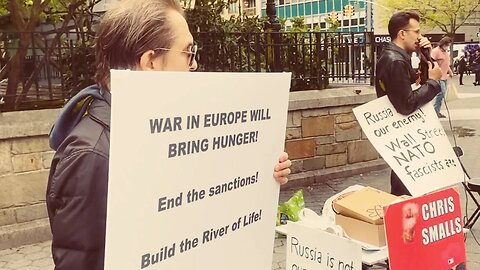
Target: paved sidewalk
[(37, 256), (465, 114), (31, 257)]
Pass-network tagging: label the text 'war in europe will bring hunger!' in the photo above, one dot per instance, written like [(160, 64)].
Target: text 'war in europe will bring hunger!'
[(209, 120)]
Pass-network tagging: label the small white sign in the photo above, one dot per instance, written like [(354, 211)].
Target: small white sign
[(309, 248), (191, 169), (415, 146)]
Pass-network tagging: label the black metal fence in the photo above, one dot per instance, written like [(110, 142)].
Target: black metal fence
[(60, 64), (316, 59), (56, 66)]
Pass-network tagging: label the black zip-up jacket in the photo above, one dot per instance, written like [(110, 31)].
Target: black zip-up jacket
[(394, 77), (77, 184)]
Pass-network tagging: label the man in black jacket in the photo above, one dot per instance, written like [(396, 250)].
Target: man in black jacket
[(395, 75)]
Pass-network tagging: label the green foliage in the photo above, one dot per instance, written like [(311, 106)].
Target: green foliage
[(206, 17), (53, 10), (78, 64), (282, 21), (298, 25), (241, 45), (218, 39), (302, 55), (333, 25), (3, 7), (448, 15)]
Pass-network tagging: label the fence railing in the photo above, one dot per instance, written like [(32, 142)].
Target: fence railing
[(53, 69), (315, 59), (60, 64)]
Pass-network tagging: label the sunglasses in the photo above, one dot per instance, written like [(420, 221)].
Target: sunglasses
[(192, 52)]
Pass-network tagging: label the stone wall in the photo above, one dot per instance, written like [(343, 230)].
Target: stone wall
[(322, 138), (25, 159)]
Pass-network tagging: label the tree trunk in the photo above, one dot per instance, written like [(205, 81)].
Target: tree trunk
[(56, 42), (15, 72), (24, 28), (13, 78)]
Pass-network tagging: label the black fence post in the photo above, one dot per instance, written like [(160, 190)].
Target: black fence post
[(273, 27), (373, 59)]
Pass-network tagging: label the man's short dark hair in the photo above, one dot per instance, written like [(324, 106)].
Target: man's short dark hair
[(399, 21), (445, 41)]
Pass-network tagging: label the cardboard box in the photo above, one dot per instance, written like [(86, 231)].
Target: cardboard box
[(365, 204), (362, 231)]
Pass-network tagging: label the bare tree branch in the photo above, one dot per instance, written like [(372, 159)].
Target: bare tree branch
[(448, 15), (4, 71), (468, 15), (71, 11)]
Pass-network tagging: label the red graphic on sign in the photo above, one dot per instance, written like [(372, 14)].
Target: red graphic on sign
[(426, 233)]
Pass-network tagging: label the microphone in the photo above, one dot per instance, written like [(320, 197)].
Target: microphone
[(425, 56)]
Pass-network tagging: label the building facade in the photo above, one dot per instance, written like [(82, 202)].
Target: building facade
[(358, 19)]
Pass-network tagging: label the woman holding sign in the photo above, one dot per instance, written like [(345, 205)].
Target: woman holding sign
[(150, 35)]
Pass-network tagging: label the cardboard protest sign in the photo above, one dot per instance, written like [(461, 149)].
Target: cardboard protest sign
[(415, 146), (426, 232), (309, 248), (191, 169)]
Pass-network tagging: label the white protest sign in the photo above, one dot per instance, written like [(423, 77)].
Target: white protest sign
[(310, 248), (415, 146), (191, 169)]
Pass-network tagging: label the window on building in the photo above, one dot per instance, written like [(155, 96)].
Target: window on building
[(354, 21), (362, 20), (233, 8), (346, 23), (250, 3), (282, 2), (323, 25)]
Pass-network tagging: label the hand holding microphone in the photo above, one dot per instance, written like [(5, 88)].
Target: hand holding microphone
[(434, 71)]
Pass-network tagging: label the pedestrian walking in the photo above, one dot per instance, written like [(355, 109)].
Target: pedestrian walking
[(476, 67), (442, 57), (462, 66)]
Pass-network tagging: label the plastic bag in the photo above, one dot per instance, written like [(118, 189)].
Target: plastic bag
[(290, 209), (452, 93)]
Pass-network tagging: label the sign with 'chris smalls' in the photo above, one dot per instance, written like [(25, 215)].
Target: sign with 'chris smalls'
[(415, 146), (426, 232)]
